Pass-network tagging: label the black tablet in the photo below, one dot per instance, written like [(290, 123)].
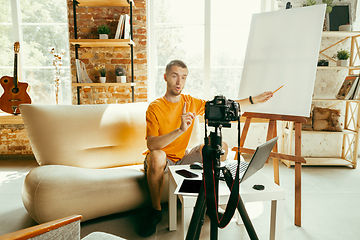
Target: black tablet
[(189, 187)]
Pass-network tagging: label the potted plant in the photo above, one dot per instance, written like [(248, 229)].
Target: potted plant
[(120, 74), (329, 5), (103, 31), (102, 70), (309, 3), (342, 57)]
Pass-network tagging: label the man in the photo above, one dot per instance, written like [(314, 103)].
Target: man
[(169, 126)]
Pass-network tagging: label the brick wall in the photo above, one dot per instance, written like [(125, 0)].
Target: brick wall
[(13, 139), (88, 19)]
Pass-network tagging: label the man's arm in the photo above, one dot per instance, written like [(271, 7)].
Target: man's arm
[(159, 142), (263, 97)]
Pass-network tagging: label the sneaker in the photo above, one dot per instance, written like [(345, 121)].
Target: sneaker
[(148, 227)]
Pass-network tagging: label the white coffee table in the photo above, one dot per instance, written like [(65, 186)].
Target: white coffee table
[(272, 192)]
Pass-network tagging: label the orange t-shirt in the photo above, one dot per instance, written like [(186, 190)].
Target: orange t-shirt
[(163, 117)]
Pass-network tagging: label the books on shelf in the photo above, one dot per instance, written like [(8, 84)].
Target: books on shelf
[(120, 24), (127, 34), (82, 75), (123, 30), (356, 91), (349, 90)]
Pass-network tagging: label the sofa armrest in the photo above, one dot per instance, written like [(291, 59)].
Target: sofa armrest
[(65, 226)]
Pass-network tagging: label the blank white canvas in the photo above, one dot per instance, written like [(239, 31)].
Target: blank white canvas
[(283, 49)]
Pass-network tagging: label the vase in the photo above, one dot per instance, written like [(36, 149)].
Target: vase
[(55, 92), (345, 28), (102, 79), (342, 63), (103, 36), (121, 79)]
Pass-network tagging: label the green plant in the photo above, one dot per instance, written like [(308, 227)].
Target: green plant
[(329, 5), (120, 71), (342, 54), (101, 69), (310, 2), (103, 29)]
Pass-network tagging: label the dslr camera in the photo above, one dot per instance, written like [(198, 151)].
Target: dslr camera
[(220, 111)]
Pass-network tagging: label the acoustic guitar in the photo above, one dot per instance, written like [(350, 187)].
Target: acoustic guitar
[(14, 91)]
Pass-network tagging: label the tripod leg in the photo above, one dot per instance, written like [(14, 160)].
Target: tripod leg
[(247, 222), (198, 216), (200, 224), (213, 231), (242, 210)]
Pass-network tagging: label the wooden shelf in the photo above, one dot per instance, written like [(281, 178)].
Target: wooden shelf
[(334, 99), (102, 42), (323, 161), (107, 3), (339, 68), (102, 84), (6, 118), (340, 33), (344, 131)]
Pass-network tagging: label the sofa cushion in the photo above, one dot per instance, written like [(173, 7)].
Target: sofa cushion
[(90, 136), (54, 191)]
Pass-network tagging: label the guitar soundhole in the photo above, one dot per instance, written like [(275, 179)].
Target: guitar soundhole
[(6, 81), (15, 90)]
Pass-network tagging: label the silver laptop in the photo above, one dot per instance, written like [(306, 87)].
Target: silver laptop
[(191, 187), (257, 161)]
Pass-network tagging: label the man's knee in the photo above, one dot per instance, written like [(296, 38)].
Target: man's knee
[(156, 159), (225, 147)]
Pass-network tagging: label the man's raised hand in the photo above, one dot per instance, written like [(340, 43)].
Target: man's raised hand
[(186, 119)]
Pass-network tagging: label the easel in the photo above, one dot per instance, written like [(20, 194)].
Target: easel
[(272, 132)]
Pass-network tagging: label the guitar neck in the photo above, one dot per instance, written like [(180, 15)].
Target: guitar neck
[(15, 81)]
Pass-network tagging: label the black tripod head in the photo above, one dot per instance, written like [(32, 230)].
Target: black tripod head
[(218, 114)]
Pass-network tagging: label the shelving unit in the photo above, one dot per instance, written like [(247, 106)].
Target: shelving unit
[(102, 42), (350, 131), (125, 43), (102, 84)]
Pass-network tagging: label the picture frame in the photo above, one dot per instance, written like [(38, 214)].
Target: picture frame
[(340, 15), (348, 88)]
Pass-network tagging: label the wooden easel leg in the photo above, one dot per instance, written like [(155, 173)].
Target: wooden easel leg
[(244, 133), (297, 175), (272, 132)]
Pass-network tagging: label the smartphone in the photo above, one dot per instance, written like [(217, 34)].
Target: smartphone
[(186, 173)]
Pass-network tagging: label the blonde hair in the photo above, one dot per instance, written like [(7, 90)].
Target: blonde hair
[(172, 63)]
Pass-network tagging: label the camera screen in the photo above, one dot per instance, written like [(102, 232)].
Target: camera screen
[(216, 113)]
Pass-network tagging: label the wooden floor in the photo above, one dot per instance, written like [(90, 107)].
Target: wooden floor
[(330, 206)]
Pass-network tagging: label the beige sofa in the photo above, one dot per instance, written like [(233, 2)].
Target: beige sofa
[(90, 158)]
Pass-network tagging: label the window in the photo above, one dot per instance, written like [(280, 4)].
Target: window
[(210, 36), (38, 26)]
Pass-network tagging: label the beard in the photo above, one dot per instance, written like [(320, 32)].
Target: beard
[(176, 92)]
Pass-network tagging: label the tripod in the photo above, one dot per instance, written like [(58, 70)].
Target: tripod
[(211, 162)]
